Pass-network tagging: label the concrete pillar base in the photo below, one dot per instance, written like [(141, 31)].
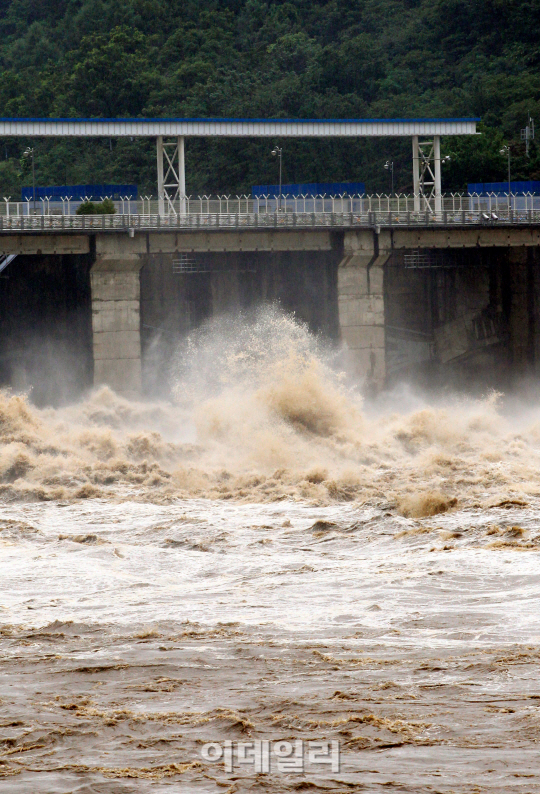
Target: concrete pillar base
[(116, 323), (361, 308)]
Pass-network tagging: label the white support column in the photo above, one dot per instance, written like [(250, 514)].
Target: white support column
[(182, 174), (438, 184), (416, 173), (171, 172), (160, 180)]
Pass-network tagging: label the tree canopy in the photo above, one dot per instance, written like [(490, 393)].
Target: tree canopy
[(270, 58)]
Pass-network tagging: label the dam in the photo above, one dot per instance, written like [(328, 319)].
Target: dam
[(427, 289), (266, 554), (106, 300)]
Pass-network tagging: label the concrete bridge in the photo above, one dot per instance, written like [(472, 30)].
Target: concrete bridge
[(412, 296)]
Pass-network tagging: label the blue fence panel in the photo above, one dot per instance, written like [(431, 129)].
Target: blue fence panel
[(501, 188), (78, 192), (311, 189)]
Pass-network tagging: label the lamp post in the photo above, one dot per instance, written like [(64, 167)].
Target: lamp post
[(506, 150), (277, 152), (444, 161), (29, 152), (389, 166)]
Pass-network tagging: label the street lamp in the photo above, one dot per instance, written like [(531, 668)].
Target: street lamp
[(389, 165), (445, 161), (277, 152), (506, 150), (29, 152)]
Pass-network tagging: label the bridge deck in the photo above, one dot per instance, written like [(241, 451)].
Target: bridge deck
[(277, 221)]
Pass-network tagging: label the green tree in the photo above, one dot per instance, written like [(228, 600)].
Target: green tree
[(109, 75), (262, 58)]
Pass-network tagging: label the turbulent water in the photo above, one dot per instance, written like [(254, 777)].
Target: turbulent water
[(267, 558)]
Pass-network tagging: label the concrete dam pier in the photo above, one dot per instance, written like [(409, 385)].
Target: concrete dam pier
[(431, 305)]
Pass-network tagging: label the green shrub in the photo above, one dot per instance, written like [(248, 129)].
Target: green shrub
[(105, 207), (86, 208)]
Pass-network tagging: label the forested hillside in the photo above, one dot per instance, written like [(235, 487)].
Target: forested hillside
[(257, 58)]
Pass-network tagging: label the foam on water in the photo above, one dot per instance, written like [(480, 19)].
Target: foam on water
[(262, 413), (268, 557)]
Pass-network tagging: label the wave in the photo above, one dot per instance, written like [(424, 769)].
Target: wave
[(261, 413)]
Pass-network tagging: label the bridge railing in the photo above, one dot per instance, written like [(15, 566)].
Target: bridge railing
[(148, 206), (271, 220)]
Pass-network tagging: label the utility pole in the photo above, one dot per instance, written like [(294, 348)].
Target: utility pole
[(277, 151)]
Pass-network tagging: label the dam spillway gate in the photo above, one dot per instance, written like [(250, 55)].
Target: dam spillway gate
[(433, 304)]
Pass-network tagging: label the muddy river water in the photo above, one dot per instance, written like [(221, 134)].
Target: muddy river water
[(264, 567)]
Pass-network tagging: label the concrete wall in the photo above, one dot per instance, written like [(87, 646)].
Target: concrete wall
[(524, 317), (45, 327), (172, 304), (115, 288), (470, 321), (78, 316), (361, 307)]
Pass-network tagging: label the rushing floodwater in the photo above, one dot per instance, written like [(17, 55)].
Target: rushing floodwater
[(268, 560)]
